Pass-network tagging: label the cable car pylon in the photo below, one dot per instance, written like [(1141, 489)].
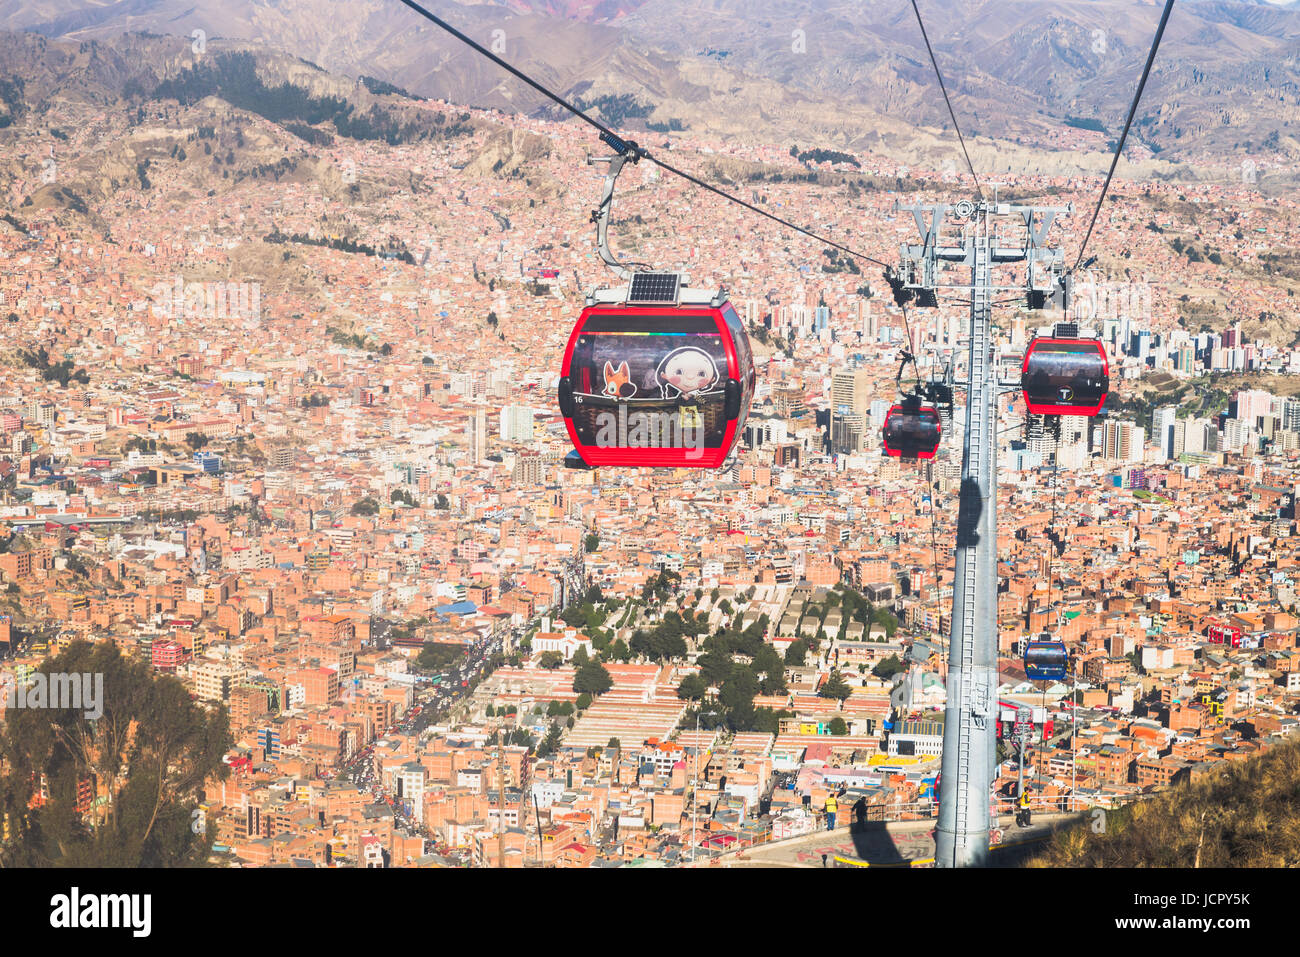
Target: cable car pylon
[(970, 718)]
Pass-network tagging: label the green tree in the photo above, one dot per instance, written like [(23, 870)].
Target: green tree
[(692, 688), (767, 721), (888, 667), (437, 655), (837, 726), (738, 690), (367, 506), (551, 742), (796, 653), (584, 701), (550, 660), (580, 657), (715, 666), (834, 687), (152, 749), (886, 619), (403, 496), (592, 678), (591, 542)]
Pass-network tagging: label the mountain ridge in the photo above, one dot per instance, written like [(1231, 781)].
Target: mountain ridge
[(1227, 78)]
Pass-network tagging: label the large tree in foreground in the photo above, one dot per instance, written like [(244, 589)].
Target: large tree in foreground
[(151, 750)]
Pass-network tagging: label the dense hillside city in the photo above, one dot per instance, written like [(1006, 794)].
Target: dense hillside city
[(281, 446)]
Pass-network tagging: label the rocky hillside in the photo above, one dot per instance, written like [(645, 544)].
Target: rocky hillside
[(846, 72), (1236, 814)]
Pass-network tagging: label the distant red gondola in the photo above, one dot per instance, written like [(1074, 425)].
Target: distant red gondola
[(1063, 376), (912, 432)]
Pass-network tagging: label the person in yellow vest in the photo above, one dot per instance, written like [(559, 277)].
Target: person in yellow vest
[(832, 805), (1023, 815)]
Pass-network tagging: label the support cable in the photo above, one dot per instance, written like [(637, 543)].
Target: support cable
[(934, 554), (623, 146), (944, 89), (1128, 123), (909, 355), (1051, 533)]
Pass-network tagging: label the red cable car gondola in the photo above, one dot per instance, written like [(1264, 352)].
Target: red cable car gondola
[(666, 386), (912, 431), (1065, 376), (655, 374)]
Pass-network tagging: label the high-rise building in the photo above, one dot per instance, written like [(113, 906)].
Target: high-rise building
[(847, 433), (1291, 414), (516, 424), (1237, 436), (214, 679), (1123, 442), (499, 382), (850, 397), (864, 321), (42, 411), (1195, 436), (1253, 403), (1162, 425), (760, 432), (789, 402), (877, 411), (476, 435), (528, 469), (461, 383)]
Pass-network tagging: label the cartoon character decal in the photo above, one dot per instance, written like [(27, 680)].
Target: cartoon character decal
[(618, 380), (687, 372)]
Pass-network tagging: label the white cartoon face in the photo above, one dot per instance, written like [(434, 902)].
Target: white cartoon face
[(688, 371)]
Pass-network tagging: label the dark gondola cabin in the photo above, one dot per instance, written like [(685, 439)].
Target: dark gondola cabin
[(1046, 661), (912, 432), (1062, 376), (659, 386)]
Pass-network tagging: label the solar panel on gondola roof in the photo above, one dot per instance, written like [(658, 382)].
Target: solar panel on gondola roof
[(653, 288)]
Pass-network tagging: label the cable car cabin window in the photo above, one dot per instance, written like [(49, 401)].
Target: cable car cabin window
[(744, 362), (912, 433), (1065, 377), (656, 382)]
